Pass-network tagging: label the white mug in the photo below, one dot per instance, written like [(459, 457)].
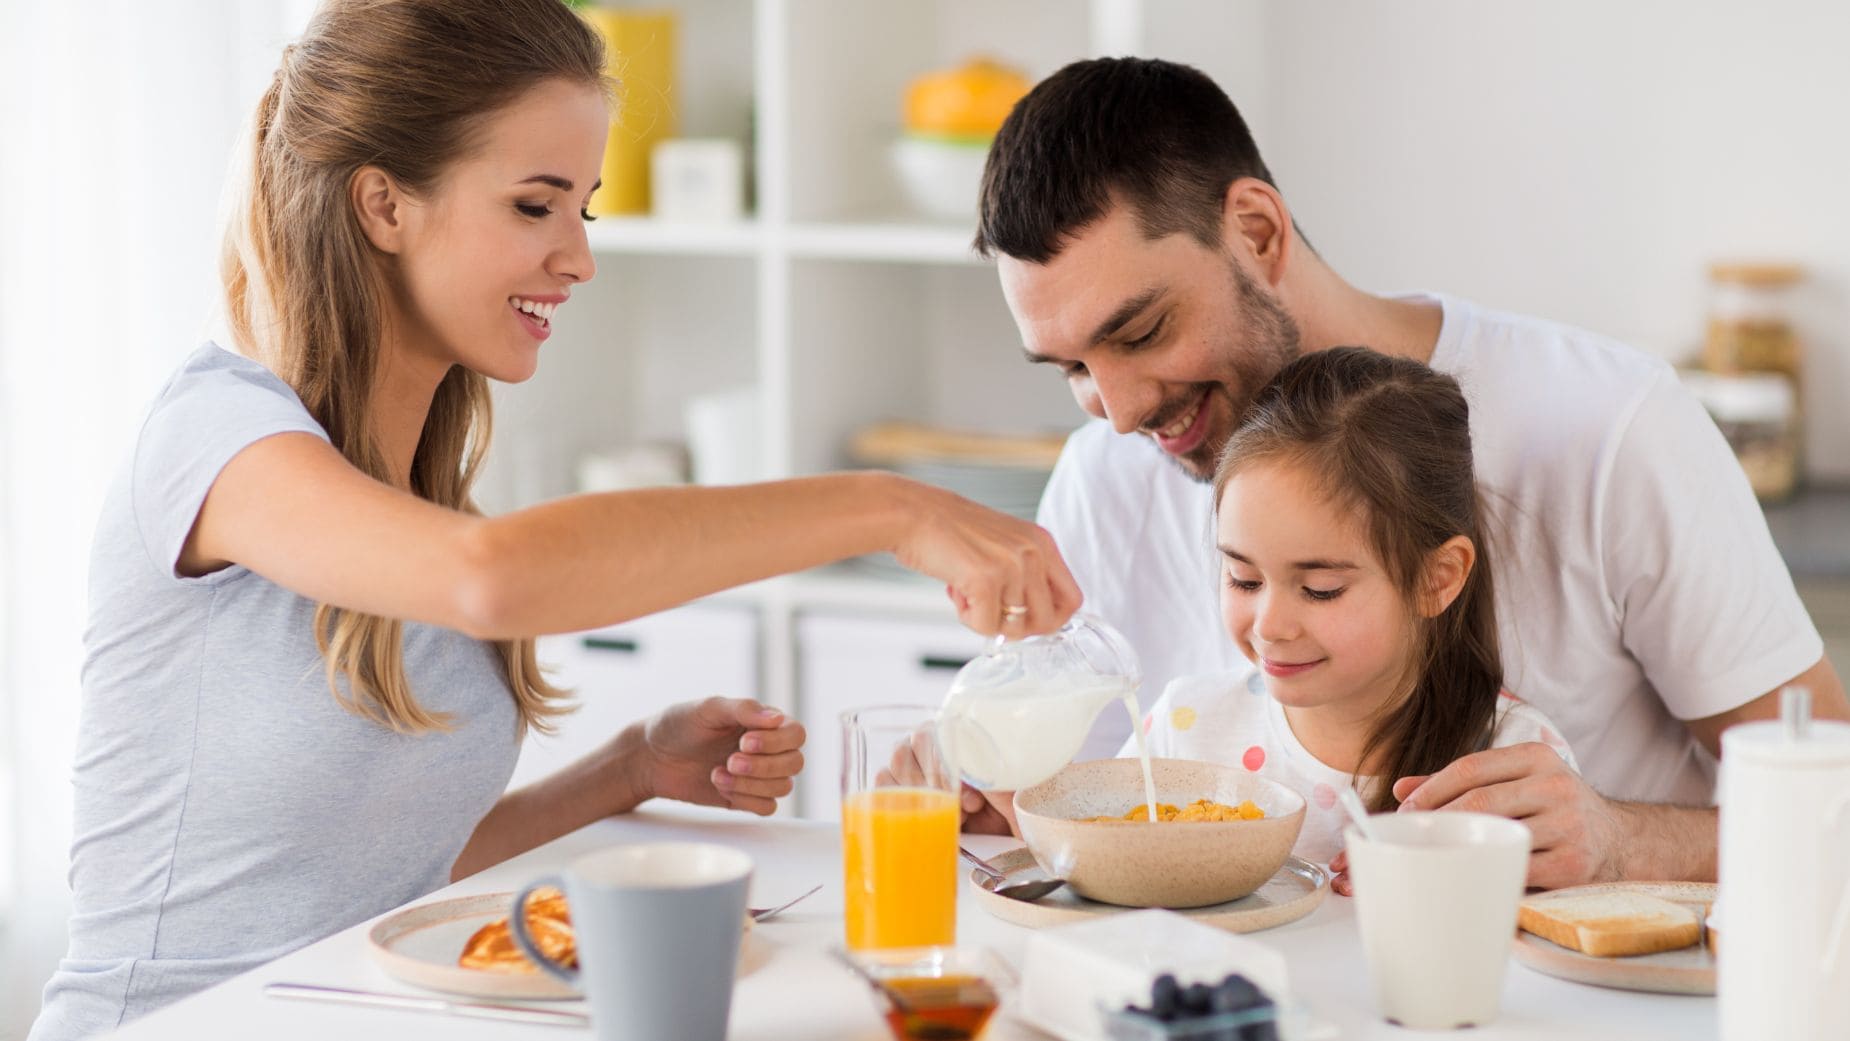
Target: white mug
[(1436, 895), (1783, 952)]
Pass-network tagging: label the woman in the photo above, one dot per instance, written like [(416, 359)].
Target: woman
[(310, 660)]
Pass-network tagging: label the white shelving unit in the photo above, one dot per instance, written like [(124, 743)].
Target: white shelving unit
[(841, 307)]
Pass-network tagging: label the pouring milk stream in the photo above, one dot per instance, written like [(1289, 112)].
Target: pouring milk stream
[(1021, 710)]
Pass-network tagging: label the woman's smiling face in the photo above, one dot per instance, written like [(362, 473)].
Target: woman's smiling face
[(489, 255), (1303, 594)]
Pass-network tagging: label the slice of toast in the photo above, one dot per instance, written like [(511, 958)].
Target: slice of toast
[(1610, 924)]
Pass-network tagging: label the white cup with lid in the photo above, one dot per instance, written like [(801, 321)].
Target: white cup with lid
[(1783, 969)]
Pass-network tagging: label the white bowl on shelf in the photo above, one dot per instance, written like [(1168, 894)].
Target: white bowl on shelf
[(940, 178)]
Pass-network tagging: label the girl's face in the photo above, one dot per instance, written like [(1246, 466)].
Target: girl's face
[(1304, 596), (494, 250)]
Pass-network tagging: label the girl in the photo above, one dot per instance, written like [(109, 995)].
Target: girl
[(1356, 580), (309, 663)]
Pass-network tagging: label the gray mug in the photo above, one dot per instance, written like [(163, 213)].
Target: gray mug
[(658, 927)]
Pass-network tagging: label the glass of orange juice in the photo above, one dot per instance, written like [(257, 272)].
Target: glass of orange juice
[(899, 831)]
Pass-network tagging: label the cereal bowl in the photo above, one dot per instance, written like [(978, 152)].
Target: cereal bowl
[(1162, 864)]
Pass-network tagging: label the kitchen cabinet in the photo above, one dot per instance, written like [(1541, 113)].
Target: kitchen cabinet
[(848, 661), (1812, 531), (836, 301)]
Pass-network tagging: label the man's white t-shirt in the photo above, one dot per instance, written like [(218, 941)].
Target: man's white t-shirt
[(1229, 718), (1637, 585)]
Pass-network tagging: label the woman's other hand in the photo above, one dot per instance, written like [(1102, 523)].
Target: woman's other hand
[(1004, 574), (731, 752)]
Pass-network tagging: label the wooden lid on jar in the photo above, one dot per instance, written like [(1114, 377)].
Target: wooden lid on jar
[(1752, 273)]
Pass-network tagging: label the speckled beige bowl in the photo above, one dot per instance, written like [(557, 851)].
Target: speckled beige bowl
[(1165, 864)]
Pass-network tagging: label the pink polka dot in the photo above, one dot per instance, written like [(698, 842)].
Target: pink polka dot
[(1253, 759), (1147, 721), (1552, 739), (1324, 795)]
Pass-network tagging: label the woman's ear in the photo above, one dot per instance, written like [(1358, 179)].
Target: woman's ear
[(1446, 570), (380, 206)]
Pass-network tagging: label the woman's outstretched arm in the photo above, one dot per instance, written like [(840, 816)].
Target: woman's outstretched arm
[(292, 509)]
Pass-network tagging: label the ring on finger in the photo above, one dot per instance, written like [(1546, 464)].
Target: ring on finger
[(1015, 611)]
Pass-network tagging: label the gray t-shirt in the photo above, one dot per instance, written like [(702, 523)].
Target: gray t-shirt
[(228, 810)]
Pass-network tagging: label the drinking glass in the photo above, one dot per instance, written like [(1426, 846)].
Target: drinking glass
[(899, 836)]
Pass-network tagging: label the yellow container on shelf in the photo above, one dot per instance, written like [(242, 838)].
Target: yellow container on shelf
[(640, 56)]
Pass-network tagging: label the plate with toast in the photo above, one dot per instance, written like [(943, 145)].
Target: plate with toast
[(1649, 936)]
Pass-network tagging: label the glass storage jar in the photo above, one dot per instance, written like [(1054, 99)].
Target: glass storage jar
[(1750, 319), (1757, 414)]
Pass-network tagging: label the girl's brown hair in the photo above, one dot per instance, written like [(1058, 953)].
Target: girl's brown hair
[(1391, 439), (406, 86)]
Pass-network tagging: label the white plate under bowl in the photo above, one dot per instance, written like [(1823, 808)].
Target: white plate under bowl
[(1290, 894)]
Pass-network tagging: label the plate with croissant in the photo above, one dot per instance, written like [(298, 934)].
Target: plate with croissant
[(464, 946)]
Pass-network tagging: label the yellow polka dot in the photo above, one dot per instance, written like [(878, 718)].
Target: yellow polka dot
[(1182, 718)]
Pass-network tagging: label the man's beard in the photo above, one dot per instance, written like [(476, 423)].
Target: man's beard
[(1272, 343)]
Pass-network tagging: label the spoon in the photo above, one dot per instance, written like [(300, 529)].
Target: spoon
[(759, 914), (1352, 804), (1030, 890)]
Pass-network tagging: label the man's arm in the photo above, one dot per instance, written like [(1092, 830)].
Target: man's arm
[(1580, 835), (1828, 701)]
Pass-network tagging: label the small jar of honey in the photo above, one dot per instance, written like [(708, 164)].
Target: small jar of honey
[(934, 993)]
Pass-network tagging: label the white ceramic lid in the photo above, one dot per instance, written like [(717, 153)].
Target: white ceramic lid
[(1824, 743)]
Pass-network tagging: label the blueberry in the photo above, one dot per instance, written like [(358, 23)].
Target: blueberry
[(1165, 997), (1235, 993), (1197, 998)]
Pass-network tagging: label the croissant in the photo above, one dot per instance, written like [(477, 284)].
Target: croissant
[(549, 921)]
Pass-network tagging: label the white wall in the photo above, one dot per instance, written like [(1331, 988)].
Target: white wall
[(117, 121), (1577, 159)]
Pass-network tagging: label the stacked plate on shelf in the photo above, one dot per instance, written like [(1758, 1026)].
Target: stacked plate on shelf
[(1006, 472)]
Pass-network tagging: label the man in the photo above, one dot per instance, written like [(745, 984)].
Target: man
[(1146, 253)]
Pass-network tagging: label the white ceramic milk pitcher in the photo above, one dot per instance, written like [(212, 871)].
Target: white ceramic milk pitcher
[(1782, 953)]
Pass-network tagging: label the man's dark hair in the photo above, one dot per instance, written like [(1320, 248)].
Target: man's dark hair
[(1160, 136)]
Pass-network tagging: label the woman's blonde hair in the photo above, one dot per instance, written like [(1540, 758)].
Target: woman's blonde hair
[(406, 86)]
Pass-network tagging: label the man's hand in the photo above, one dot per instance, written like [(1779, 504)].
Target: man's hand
[(984, 813), (1578, 835), (989, 813), (730, 752)]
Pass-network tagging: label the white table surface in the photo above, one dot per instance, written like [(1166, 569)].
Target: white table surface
[(799, 992)]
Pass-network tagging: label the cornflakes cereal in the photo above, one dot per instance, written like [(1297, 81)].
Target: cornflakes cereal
[(1199, 810)]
